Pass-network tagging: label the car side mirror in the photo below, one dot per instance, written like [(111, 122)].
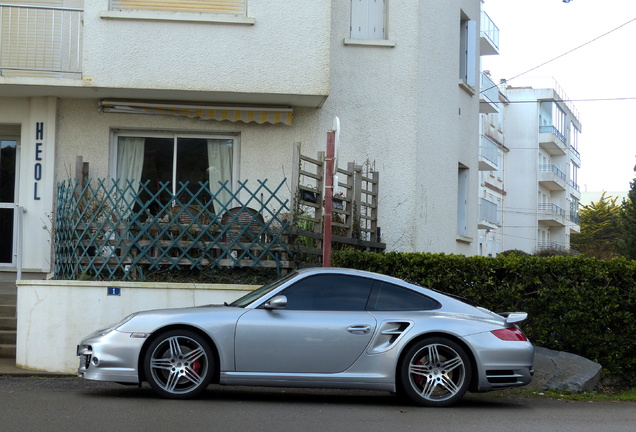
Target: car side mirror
[(276, 302)]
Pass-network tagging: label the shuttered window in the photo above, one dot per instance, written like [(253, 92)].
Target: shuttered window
[(368, 19), (229, 7)]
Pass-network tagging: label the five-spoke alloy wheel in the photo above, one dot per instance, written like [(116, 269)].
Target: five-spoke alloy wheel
[(179, 364), (435, 372)]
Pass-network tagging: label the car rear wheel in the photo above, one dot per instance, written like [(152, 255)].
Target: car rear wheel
[(435, 372), (179, 364)]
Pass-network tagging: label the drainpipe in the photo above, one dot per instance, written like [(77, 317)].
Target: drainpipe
[(19, 211)]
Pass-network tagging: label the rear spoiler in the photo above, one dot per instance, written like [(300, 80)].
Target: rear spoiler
[(514, 317)]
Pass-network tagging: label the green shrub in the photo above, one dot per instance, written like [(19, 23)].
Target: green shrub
[(575, 304)]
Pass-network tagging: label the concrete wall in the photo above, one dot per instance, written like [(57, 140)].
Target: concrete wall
[(53, 316)]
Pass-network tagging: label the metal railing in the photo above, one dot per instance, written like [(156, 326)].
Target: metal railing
[(489, 30), (41, 39), (550, 208), (574, 217), (488, 150), (550, 245), (553, 169), (552, 130), (575, 185), (489, 211)]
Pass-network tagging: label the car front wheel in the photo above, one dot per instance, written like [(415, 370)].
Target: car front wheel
[(435, 372), (179, 364)]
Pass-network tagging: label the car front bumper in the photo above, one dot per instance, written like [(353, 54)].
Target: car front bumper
[(113, 356)]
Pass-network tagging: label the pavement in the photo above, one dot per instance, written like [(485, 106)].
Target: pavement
[(9, 368)]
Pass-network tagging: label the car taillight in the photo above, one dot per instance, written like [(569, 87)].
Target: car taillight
[(510, 334)]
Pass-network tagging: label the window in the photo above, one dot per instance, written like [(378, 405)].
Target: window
[(329, 292), (159, 159), (225, 7), (468, 52), (552, 119), (394, 298), (368, 19)]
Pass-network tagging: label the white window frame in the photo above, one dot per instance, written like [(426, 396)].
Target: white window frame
[(175, 135)]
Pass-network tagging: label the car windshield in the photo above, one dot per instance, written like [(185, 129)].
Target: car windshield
[(260, 292)]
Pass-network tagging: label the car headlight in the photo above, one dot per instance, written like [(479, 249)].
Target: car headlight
[(115, 326)]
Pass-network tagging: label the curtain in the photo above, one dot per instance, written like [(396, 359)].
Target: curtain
[(130, 163), (220, 169)]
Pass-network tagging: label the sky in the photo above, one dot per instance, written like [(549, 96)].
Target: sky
[(532, 32)]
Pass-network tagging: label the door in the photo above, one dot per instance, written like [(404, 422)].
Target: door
[(324, 328), (8, 164)]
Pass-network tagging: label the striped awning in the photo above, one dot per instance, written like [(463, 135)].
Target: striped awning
[(243, 114)]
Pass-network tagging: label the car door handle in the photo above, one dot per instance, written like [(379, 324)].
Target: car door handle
[(359, 329)]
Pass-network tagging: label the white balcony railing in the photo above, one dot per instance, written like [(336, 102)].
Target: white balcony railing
[(40, 39), (488, 212), (488, 154), (489, 32)]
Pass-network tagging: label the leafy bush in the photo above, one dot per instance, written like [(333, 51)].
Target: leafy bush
[(580, 305)]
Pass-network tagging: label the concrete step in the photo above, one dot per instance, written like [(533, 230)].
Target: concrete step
[(7, 311), (7, 351), (8, 323), (7, 337)]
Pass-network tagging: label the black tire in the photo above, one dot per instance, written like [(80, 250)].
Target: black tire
[(179, 364), (435, 372)]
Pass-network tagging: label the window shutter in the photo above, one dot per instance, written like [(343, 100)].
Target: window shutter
[(367, 19), (359, 18), (376, 19), (233, 7), (471, 53)]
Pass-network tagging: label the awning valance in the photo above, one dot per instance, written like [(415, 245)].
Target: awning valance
[(243, 114)]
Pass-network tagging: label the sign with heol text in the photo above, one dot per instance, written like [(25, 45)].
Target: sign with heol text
[(114, 291), (37, 168)]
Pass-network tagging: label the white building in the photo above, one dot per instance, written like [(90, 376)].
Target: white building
[(541, 204), (81, 78)]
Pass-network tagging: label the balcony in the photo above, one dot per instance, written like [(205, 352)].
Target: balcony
[(39, 41), (488, 95), (551, 214), (552, 140), (488, 155), (489, 36), (552, 178), (550, 245), (488, 215)]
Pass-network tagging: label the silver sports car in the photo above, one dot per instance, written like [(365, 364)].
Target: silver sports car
[(323, 327)]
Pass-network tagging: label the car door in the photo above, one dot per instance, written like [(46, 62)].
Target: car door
[(323, 329)]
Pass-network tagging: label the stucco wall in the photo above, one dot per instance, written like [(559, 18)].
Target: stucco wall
[(259, 58), (53, 316)]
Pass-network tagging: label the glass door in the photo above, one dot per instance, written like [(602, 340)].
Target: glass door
[(8, 163)]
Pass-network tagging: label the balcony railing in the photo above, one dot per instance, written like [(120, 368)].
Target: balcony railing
[(552, 130), (490, 32), (552, 168), (488, 211), (488, 95), (550, 245), (488, 151), (552, 209), (40, 39)]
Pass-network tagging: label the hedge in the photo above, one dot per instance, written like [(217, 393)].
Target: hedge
[(580, 305)]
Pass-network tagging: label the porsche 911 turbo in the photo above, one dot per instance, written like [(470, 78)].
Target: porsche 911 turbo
[(323, 328)]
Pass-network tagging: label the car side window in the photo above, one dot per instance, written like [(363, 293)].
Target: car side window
[(329, 292), (396, 298)]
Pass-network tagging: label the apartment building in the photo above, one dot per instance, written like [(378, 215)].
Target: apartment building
[(541, 204), (158, 86)]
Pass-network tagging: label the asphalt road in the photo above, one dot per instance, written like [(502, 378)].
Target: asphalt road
[(71, 404)]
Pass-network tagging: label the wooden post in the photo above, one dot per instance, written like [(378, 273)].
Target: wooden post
[(328, 217)]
